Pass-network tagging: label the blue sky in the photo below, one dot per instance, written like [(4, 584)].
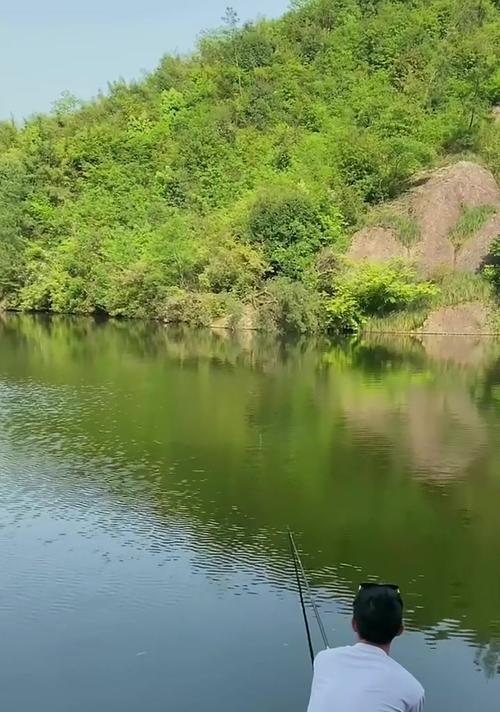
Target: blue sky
[(48, 46)]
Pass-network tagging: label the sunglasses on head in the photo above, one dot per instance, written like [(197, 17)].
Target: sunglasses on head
[(391, 586)]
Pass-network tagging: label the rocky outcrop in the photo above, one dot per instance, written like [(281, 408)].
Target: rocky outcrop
[(463, 319), (473, 254), (436, 205), (377, 244)]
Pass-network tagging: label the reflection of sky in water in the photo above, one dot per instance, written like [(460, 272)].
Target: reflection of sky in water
[(142, 520)]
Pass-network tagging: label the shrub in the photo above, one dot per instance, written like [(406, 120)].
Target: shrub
[(374, 290), (197, 309), (381, 289), (343, 312), (490, 146), (291, 226), (233, 266), (492, 270), (289, 307)]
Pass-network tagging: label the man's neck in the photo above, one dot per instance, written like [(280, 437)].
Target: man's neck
[(386, 648)]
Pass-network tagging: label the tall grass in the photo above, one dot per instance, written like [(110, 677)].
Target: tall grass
[(403, 322), (459, 287), (453, 288), (470, 222), (404, 225)]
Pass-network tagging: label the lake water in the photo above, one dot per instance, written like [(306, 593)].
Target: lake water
[(147, 477)]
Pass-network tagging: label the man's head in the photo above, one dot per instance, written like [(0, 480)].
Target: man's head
[(378, 614)]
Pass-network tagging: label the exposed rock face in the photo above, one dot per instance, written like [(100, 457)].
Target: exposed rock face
[(437, 206), (472, 255), (471, 318), (377, 244)]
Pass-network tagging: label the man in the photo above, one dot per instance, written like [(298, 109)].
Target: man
[(362, 677)]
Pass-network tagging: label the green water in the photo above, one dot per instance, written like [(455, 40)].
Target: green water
[(147, 477)]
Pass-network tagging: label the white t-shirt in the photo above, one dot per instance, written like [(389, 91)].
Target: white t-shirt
[(363, 678)]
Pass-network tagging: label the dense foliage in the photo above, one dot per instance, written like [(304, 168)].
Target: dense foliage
[(234, 175), (492, 270)]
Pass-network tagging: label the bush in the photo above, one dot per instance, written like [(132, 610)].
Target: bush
[(374, 290), (233, 266), (492, 270), (381, 289), (289, 307), (196, 309), (343, 313), (291, 226)]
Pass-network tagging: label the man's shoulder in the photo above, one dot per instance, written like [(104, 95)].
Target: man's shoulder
[(327, 660), (331, 656), (406, 679), (333, 653)]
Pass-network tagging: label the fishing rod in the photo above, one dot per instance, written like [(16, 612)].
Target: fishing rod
[(299, 571), (301, 595)]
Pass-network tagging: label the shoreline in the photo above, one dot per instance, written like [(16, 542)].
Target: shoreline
[(226, 328)]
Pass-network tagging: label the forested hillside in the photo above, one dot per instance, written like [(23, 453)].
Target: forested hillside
[(233, 178)]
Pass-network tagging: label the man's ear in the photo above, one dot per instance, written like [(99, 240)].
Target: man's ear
[(355, 625)]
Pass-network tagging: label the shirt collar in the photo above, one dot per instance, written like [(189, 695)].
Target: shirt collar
[(370, 649)]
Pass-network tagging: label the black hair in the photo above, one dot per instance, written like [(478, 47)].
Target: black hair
[(378, 614)]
